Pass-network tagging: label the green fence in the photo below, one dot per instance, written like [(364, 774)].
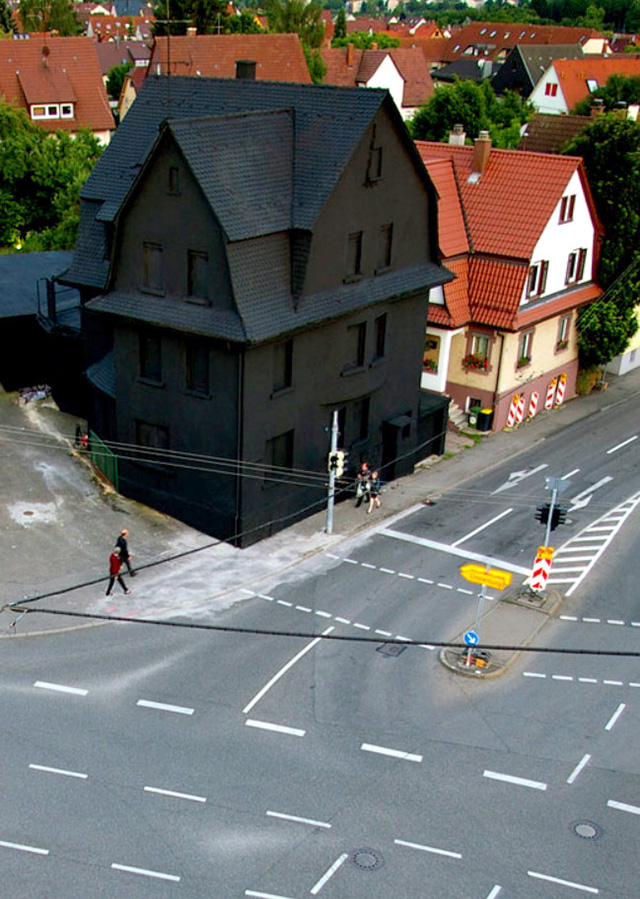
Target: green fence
[(104, 459)]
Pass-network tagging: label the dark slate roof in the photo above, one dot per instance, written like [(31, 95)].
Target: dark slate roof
[(19, 274), (546, 133), (244, 148), (102, 374), (267, 313), (466, 69), (328, 122)]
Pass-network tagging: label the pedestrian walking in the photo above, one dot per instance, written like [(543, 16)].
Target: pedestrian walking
[(374, 491), (362, 483), (123, 546), (115, 564)]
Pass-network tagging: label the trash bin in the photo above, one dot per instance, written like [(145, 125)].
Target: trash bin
[(485, 419), (473, 416)]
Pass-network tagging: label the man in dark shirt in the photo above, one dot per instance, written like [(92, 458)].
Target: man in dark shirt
[(125, 555)]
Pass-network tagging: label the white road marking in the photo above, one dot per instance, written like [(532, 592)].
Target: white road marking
[(454, 551), (331, 556), (146, 873), (609, 725), (581, 680), (248, 592), (351, 561), (164, 707), (516, 476), (561, 677), (565, 477), (387, 570), (60, 688), (283, 671), (433, 849), (532, 674), (564, 883), (588, 680), (329, 873), (383, 633), (410, 577), (23, 848), (519, 781), (175, 795), (446, 586), (363, 627), (578, 768), (278, 728), (303, 609), (264, 596), (395, 753), (368, 565), (614, 449), (494, 892), (425, 580), (613, 683), (297, 819), (623, 807), (59, 771), (264, 895), (342, 620), (322, 614), (482, 527), (283, 602), (464, 590)]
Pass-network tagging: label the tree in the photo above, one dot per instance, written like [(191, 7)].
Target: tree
[(49, 15), (606, 326), (7, 22), (297, 17), (619, 90), (115, 80), (340, 27), (206, 16), (362, 40), (40, 179), (315, 64), (476, 108), (245, 23)]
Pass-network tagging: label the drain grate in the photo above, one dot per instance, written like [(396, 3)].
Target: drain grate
[(367, 859), (391, 649), (586, 830)]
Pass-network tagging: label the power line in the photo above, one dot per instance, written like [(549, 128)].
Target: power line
[(310, 635)]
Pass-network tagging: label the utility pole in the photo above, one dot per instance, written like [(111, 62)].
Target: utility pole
[(554, 497), (332, 472)]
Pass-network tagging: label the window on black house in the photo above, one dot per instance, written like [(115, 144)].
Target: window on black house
[(197, 265), (354, 255), (152, 436), (278, 454), (150, 357), (357, 339), (282, 365), (380, 325), (197, 367), (384, 249), (152, 268), (361, 410)]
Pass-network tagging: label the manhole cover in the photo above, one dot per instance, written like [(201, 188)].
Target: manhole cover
[(587, 830), (367, 859), (28, 512), (391, 649)]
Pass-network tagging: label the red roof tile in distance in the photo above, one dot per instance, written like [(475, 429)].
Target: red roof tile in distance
[(490, 38), (456, 293), (452, 233), (67, 62), (278, 57), (432, 48), (418, 86), (510, 203), (573, 74)]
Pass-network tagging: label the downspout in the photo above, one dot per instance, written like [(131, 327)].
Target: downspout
[(497, 387), (239, 440)]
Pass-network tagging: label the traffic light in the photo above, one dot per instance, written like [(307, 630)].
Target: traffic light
[(542, 513), (332, 462), (340, 464), (558, 516)]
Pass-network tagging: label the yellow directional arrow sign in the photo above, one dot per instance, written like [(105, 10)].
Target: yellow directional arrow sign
[(489, 577)]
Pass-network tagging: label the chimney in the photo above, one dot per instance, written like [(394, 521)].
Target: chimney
[(350, 54), (246, 69), (374, 45), (481, 151), (192, 31), (457, 136)]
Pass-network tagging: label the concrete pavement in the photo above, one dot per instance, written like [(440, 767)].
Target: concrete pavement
[(59, 525)]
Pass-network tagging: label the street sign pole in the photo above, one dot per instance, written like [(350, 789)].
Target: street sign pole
[(486, 577)]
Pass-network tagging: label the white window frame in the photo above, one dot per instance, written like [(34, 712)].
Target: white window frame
[(66, 110), (575, 266), (567, 207), (537, 278), (51, 110), (524, 346), (480, 345)]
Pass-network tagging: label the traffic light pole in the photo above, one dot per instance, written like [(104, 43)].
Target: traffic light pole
[(332, 473), (547, 533)]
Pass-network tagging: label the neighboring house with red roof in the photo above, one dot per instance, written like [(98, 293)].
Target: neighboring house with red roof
[(118, 28), (567, 81), (277, 57), (494, 40), (58, 82), (402, 72), (520, 232)]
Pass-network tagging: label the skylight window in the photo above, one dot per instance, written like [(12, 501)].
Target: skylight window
[(592, 84)]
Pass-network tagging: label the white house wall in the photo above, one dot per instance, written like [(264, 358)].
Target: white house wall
[(558, 240), (388, 77), (547, 104), (438, 382)]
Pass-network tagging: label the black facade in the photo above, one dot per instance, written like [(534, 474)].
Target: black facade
[(268, 262)]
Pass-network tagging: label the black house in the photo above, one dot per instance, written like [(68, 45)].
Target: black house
[(249, 264), (526, 64)]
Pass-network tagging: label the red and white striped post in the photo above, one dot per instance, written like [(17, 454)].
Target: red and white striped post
[(551, 392), (511, 417), (541, 568), (562, 386), (533, 405), (520, 409)]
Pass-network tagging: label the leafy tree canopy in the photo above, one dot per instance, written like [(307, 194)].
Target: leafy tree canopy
[(49, 15), (340, 25), (206, 16), (476, 108), (362, 40), (606, 326), (297, 17), (40, 179), (7, 22), (619, 89), (115, 80)]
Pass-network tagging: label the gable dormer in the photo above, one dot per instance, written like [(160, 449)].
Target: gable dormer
[(48, 91)]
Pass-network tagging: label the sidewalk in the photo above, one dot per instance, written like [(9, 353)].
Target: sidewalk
[(59, 528)]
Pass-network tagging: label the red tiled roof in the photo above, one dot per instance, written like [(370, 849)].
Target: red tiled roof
[(511, 202), (433, 48), (573, 73), (278, 57), (495, 288), (489, 38), (456, 294), (452, 233), (67, 72), (411, 65), (567, 300)]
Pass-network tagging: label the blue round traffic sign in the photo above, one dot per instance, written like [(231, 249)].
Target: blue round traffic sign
[(471, 638)]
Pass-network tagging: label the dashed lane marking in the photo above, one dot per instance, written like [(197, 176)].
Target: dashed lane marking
[(580, 680), (616, 622)]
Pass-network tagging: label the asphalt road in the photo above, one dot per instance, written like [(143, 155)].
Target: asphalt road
[(158, 761)]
